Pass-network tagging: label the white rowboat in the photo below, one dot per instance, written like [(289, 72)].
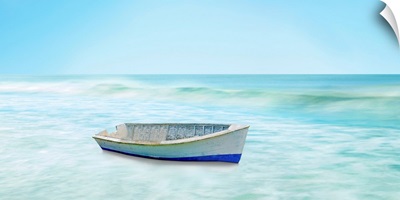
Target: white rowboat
[(182, 142)]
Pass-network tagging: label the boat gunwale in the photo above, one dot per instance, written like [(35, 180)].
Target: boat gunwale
[(172, 142)]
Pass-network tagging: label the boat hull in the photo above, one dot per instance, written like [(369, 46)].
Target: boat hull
[(233, 158), (224, 148)]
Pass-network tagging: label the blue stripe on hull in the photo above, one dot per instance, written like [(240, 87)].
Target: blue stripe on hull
[(233, 158)]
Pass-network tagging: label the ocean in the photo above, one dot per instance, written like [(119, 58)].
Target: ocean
[(310, 137)]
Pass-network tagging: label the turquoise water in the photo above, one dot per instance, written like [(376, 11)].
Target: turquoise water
[(311, 136)]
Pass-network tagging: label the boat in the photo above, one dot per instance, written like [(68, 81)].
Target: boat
[(177, 141)]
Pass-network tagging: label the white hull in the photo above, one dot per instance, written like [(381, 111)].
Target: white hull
[(226, 145)]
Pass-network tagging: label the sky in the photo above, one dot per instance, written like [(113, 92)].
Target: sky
[(196, 37)]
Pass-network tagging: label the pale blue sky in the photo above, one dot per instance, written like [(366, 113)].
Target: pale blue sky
[(203, 36)]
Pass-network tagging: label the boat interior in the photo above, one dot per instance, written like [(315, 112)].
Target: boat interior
[(162, 132)]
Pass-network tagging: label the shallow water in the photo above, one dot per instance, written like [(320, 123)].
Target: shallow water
[(311, 136)]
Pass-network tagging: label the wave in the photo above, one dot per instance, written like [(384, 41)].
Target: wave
[(134, 89), (369, 103)]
